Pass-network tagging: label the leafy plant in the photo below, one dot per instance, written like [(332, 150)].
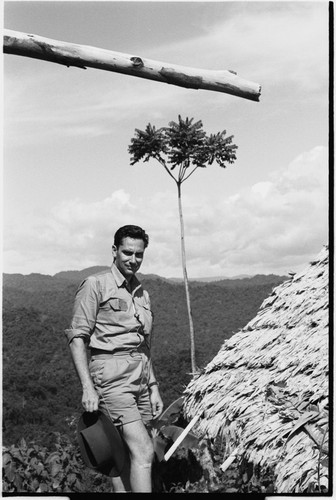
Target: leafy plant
[(165, 430), (183, 466), (185, 145), (28, 467), (32, 468)]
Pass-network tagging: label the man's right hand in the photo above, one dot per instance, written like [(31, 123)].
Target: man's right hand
[(90, 399)]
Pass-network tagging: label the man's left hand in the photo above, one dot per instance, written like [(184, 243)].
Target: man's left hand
[(156, 401)]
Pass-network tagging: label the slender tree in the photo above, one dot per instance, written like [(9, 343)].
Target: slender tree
[(181, 148)]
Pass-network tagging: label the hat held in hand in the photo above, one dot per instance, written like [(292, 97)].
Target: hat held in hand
[(100, 443)]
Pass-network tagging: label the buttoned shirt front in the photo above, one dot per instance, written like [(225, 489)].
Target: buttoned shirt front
[(111, 314)]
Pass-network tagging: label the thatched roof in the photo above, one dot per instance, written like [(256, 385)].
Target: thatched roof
[(266, 390)]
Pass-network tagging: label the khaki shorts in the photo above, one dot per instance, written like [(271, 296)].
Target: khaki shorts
[(121, 380)]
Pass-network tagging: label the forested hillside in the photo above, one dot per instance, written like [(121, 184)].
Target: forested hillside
[(41, 392)]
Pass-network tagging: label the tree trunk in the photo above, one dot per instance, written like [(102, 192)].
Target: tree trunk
[(82, 56), (186, 284)]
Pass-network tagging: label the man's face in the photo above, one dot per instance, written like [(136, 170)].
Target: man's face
[(128, 257)]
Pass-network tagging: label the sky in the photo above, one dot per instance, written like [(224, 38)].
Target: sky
[(67, 180)]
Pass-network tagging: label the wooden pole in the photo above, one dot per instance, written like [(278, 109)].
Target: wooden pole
[(180, 438), (186, 285), (226, 464), (83, 56)]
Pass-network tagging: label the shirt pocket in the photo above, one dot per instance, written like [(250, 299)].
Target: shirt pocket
[(115, 304)]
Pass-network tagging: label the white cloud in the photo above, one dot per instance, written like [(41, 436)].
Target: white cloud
[(93, 105), (274, 226), (270, 42), (280, 47)]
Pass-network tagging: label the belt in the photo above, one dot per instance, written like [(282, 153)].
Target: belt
[(120, 351)]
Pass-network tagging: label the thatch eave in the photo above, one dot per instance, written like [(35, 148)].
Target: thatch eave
[(266, 391)]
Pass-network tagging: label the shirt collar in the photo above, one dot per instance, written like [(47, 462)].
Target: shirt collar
[(121, 280)]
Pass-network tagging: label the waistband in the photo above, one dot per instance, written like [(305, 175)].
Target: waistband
[(101, 353)]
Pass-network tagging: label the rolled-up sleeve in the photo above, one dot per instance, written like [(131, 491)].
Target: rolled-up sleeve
[(85, 310)]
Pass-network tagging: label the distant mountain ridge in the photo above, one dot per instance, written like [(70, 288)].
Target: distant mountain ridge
[(76, 277), (210, 279), (80, 275)]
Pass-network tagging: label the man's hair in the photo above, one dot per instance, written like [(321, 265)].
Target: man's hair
[(130, 231)]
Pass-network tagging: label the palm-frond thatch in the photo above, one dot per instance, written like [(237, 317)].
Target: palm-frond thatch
[(266, 391)]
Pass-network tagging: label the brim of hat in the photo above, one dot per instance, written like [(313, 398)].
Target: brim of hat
[(100, 443)]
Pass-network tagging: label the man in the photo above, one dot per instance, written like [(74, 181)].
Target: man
[(112, 315)]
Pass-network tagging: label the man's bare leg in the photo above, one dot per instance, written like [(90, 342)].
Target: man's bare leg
[(141, 455)]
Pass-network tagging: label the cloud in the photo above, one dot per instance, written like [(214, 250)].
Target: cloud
[(93, 105), (280, 47), (277, 224), (273, 43), (274, 226)]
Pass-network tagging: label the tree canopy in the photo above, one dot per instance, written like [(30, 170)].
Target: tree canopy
[(184, 144)]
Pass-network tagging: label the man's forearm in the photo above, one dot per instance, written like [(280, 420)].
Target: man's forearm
[(79, 357), (152, 379), (90, 398)]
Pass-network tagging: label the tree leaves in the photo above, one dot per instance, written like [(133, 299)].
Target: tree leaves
[(184, 140), (182, 144), (221, 150), (35, 469), (164, 431), (170, 415), (146, 144)]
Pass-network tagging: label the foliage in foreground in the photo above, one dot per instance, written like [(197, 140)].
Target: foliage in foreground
[(194, 467), (31, 468), (198, 471)]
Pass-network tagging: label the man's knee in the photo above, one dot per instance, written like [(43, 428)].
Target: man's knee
[(144, 456), (139, 443)]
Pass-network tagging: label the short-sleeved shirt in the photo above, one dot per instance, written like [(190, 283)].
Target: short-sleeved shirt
[(109, 314)]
